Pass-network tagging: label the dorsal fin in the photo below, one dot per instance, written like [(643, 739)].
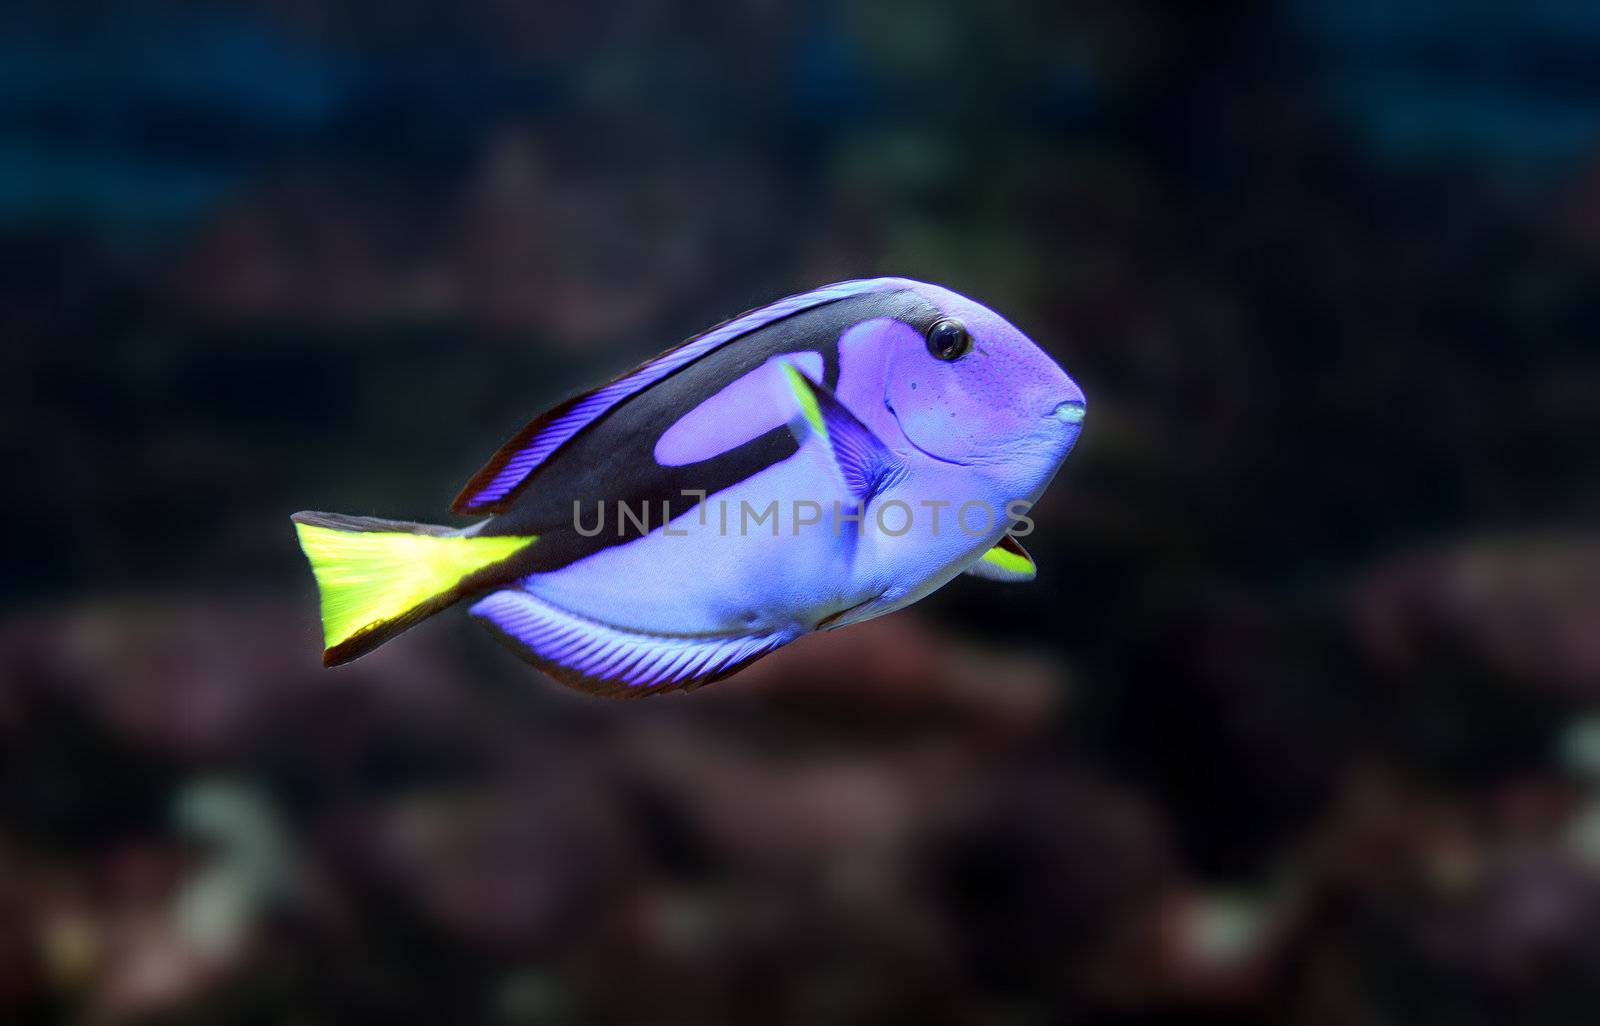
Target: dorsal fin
[(492, 488)]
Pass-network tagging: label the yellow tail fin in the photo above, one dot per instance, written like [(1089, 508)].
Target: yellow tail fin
[(379, 577)]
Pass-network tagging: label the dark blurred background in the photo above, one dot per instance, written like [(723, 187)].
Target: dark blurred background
[(1300, 723)]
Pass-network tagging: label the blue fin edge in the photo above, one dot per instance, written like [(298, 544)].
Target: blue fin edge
[(605, 660), (493, 486)]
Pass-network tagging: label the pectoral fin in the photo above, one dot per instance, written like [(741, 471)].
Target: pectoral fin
[(864, 462), (1007, 561)]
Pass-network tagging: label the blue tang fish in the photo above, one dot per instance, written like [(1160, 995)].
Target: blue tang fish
[(819, 461)]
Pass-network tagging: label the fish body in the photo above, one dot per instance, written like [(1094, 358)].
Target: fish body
[(816, 462)]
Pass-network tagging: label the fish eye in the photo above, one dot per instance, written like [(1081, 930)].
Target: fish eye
[(948, 339)]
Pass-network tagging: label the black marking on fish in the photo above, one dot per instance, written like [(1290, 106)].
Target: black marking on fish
[(613, 458)]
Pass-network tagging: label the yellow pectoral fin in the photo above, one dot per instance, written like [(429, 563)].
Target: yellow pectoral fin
[(805, 394)]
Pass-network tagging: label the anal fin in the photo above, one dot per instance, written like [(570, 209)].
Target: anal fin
[(603, 659)]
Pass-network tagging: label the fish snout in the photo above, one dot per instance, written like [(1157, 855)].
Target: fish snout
[(1069, 411), (1060, 399)]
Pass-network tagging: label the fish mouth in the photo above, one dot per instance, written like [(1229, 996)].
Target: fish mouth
[(1069, 412), (889, 404)]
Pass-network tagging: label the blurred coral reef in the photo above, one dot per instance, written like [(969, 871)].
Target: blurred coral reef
[(1300, 723)]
